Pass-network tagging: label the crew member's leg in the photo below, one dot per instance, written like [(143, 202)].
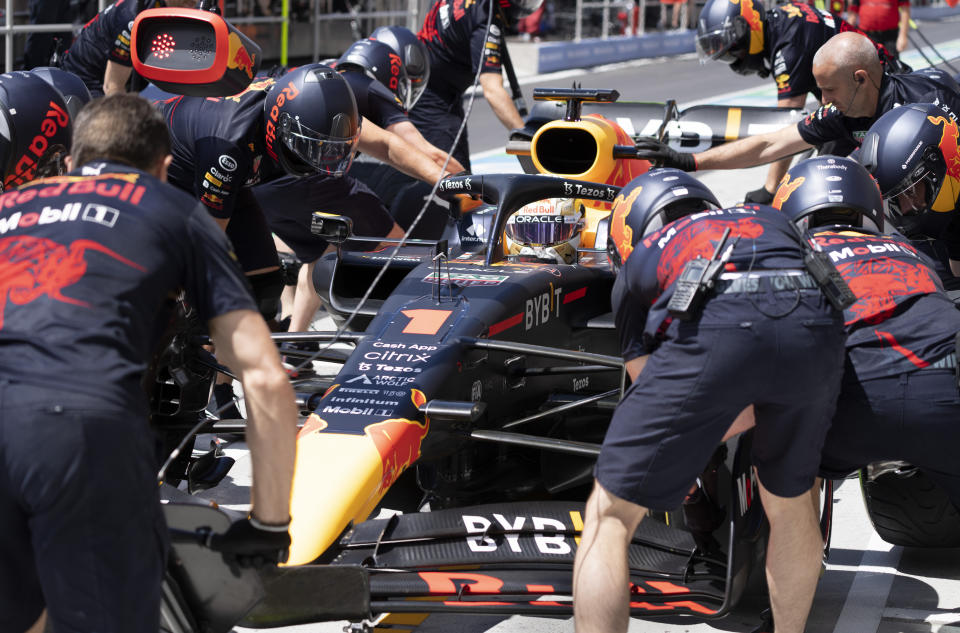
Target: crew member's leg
[(601, 579), (97, 535)]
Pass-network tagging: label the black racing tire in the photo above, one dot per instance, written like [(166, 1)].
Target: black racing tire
[(911, 510)]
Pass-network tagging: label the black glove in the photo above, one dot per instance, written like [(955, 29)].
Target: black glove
[(663, 155), (249, 543), (759, 196)]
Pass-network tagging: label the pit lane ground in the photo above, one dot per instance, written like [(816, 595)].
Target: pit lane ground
[(869, 586)]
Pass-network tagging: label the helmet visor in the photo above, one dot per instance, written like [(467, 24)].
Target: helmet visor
[(718, 44), (324, 153), (542, 229)]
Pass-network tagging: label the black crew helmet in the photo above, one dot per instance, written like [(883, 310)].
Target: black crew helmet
[(378, 61), (913, 143), (74, 91), (732, 32), (413, 53), (312, 123), (648, 203), (35, 128), (830, 191)]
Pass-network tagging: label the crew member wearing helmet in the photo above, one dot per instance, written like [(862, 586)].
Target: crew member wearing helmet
[(764, 336), (780, 41), (899, 397), (40, 125), (413, 55), (81, 529), (100, 54), (461, 44), (855, 91), (913, 153), (385, 92)]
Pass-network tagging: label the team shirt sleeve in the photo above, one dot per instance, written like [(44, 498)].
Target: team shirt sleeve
[(215, 284), (485, 45), (387, 107), (792, 71), (630, 316), (222, 168), (823, 125), (121, 23)]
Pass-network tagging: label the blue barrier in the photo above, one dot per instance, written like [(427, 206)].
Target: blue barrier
[(933, 13), (594, 52)]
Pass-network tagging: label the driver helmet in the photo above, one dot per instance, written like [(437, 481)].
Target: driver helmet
[(518, 9), (829, 191), (35, 128), (312, 123), (914, 152), (74, 91), (413, 53), (378, 61), (546, 230), (731, 31), (648, 203)]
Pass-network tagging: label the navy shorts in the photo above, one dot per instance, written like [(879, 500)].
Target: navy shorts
[(438, 117), (81, 530), (912, 417), (289, 204), (250, 235), (674, 415)]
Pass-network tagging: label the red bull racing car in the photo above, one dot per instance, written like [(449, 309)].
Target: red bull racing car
[(478, 385)]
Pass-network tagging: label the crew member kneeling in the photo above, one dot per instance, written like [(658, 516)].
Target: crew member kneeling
[(899, 398), (764, 335)]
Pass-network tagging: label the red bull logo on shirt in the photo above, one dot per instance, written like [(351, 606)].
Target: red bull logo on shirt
[(238, 58), (620, 233), (950, 148)]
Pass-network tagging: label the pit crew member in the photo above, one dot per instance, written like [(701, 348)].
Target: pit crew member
[(88, 262), (780, 41), (764, 336), (380, 82), (899, 398), (100, 54), (460, 44), (913, 153), (855, 92)]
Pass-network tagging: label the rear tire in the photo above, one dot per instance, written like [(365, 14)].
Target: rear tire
[(910, 509)]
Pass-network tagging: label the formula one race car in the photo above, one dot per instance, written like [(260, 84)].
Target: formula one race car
[(479, 382)]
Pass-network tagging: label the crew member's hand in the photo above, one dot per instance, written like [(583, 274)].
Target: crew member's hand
[(662, 155), (250, 543), (759, 196)]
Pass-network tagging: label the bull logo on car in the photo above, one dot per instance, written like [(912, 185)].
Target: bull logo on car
[(31, 267), (950, 148), (398, 442), (238, 58), (786, 188)]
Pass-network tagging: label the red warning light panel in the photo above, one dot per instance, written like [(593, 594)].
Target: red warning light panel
[(193, 52)]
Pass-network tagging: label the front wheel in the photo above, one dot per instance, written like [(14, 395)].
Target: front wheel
[(907, 508)]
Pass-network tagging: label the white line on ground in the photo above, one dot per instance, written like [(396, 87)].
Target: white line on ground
[(863, 608), (939, 621)]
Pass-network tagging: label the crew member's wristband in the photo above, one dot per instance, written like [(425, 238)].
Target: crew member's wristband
[(269, 527)]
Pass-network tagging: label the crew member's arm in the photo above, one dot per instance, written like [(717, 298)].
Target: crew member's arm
[(904, 11), (115, 78), (779, 168), (635, 366), (753, 150), (853, 12), (243, 343), (409, 132), (500, 101), (396, 152)]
